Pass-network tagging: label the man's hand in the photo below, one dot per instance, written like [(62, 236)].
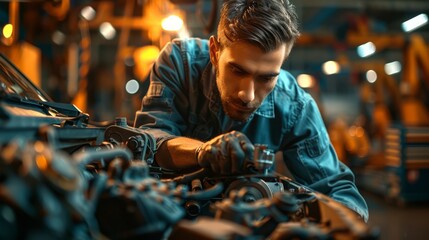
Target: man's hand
[(226, 153)]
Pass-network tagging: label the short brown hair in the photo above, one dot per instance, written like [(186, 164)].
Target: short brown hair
[(265, 23)]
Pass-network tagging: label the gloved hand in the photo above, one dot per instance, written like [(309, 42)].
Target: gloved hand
[(225, 153)]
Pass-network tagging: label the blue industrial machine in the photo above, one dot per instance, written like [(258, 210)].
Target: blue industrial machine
[(404, 177)]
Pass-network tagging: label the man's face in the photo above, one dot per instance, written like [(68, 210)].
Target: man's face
[(245, 75)]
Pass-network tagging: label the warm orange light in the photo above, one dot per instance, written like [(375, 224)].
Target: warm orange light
[(39, 147), (172, 23), (8, 30), (331, 67), (305, 81), (41, 162), (143, 59), (146, 53)]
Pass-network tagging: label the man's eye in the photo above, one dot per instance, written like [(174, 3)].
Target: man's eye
[(237, 71), (266, 79)]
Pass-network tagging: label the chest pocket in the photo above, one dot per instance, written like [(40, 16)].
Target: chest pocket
[(317, 144)]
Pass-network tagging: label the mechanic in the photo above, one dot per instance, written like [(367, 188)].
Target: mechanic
[(210, 100)]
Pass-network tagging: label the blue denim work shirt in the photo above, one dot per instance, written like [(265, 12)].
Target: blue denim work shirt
[(183, 100)]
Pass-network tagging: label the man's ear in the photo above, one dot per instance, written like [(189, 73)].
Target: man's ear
[(214, 50)]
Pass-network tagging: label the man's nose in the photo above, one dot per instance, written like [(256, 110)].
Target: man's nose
[(247, 91)]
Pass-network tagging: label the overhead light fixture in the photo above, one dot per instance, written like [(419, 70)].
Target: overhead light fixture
[(366, 49), (88, 13), (331, 67), (107, 30), (132, 86), (8, 30), (172, 23), (392, 67), (415, 22), (58, 37), (305, 80), (371, 76)]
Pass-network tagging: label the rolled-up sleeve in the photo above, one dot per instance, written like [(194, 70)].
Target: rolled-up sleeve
[(313, 162)]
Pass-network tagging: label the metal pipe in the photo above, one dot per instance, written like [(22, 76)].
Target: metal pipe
[(14, 20)]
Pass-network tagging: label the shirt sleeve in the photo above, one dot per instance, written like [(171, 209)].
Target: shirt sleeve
[(312, 160), (159, 115)]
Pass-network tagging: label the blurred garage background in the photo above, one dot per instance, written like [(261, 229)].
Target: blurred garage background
[(366, 62)]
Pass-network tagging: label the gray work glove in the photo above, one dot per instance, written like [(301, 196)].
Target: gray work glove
[(225, 153)]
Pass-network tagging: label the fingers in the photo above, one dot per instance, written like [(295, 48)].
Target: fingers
[(245, 144), (226, 153), (223, 156), (215, 159), (210, 157), (239, 148), (237, 157)]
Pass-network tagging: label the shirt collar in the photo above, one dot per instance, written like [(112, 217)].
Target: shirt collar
[(211, 92)]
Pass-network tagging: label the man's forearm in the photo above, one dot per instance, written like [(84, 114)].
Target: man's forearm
[(178, 153)]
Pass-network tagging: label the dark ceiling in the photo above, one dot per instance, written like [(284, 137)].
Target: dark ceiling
[(318, 18), (330, 16)]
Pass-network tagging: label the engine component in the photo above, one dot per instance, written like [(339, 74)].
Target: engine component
[(255, 188), (136, 206), (263, 158), (141, 143), (42, 195)]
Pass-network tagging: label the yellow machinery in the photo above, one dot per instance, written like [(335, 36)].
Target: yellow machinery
[(399, 168), (393, 149)]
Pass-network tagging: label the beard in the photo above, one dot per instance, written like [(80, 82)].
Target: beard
[(235, 108)]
